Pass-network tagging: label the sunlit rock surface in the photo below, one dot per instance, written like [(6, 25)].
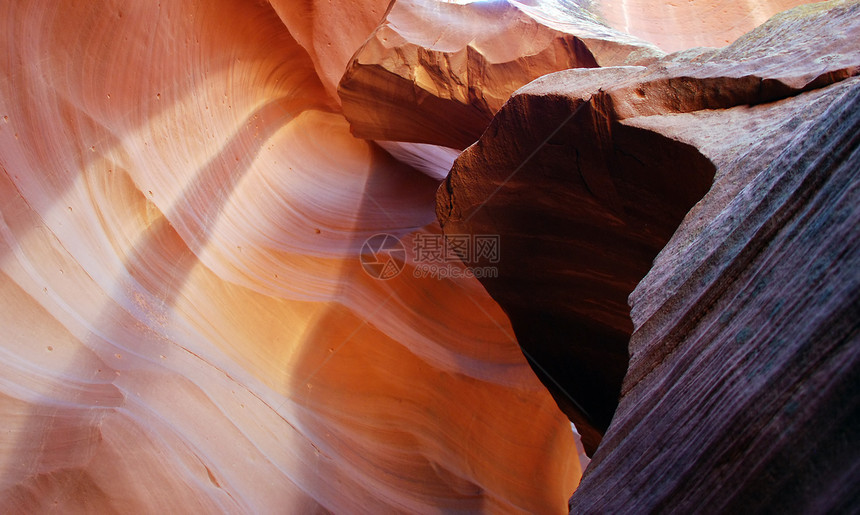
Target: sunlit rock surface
[(186, 323), (680, 25), (331, 31), (586, 175), (437, 72)]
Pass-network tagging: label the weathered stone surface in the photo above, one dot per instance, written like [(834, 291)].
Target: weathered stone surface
[(585, 189), (583, 204), (185, 325), (436, 72), (743, 392)]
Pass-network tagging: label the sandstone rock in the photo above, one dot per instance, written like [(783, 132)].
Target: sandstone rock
[(677, 26), (186, 325), (433, 160), (436, 72), (742, 392), (585, 197), (331, 31), (582, 204)]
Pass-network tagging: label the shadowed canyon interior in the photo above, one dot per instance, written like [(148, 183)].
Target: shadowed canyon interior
[(194, 315)]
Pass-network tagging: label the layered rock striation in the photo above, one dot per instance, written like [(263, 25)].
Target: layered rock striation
[(188, 323), (744, 330), (742, 392)]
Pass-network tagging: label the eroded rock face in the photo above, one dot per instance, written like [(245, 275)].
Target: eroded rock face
[(582, 204), (186, 326), (745, 363), (584, 196), (437, 72)]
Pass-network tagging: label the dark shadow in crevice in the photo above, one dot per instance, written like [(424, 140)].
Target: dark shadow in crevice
[(584, 204)]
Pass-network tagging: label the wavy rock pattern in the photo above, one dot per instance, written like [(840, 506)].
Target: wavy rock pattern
[(330, 37), (186, 324)]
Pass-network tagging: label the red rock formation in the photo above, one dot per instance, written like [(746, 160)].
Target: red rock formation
[(331, 31), (743, 382), (436, 72), (186, 322), (186, 325), (586, 174), (583, 205)]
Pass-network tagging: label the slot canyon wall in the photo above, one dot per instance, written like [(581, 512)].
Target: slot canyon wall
[(742, 388), (198, 314)]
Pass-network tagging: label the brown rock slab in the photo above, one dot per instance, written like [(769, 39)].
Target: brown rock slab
[(742, 392), (582, 204), (436, 72)]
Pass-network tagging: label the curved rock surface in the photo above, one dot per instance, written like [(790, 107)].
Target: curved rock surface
[(186, 322), (742, 393), (330, 37), (584, 197), (677, 26), (189, 320), (437, 72)]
